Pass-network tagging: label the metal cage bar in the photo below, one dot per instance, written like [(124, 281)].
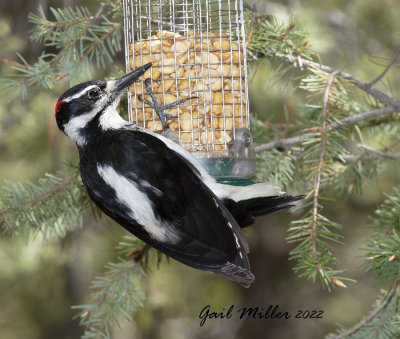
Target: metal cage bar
[(198, 49)]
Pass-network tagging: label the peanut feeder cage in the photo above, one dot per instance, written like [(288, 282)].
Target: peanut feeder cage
[(198, 51)]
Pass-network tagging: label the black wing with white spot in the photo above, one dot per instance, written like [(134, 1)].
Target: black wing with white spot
[(190, 223)]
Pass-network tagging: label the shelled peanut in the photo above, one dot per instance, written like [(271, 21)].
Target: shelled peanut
[(209, 67)]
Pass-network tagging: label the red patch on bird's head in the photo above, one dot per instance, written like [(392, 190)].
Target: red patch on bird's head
[(58, 106)]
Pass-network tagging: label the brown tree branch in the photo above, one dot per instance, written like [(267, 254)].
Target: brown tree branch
[(375, 113), (101, 40), (281, 143), (367, 319), (380, 76), (370, 154), (365, 86), (12, 63), (392, 104), (292, 141), (379, 154), (99, 11)]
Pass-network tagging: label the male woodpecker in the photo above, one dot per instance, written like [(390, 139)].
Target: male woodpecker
[(157, 190)]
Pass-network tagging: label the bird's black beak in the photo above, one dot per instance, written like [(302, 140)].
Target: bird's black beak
[(128, 79)]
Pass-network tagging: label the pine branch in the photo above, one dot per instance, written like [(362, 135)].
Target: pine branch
[(117, 294), (115, 297), (51, 207), (382, 258), (379, 308), (373, 114), (276, 167), (12, 63), (317, 182), (99, 11), (380, 76), (281, 143), (39, 199), (78, 37), (313, 254), (284, 42), (369, 154), (379, 154), (387, 215), (99, 41), (365, 86), (292, 141)]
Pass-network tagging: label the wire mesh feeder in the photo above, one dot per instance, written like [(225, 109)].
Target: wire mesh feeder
[(198, 50)]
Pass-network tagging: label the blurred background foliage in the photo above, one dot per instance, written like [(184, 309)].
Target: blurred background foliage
[(40, 280)]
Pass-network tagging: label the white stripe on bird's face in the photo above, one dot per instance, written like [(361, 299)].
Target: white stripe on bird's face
[(76, 124), (109, 119), (139, 205), (81, 93)]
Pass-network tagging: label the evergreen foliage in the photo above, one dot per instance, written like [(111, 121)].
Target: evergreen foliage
[(381, 323), (117, 294), (323, 149), (383, 248), (52, 207), (80, 39)]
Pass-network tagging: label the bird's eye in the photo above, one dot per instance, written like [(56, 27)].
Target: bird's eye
[(94, 93)]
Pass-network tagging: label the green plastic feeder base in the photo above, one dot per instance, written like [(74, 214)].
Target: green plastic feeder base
[(235, 181)]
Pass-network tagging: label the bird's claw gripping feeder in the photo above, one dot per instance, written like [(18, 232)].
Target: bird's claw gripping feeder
[(198, 52)]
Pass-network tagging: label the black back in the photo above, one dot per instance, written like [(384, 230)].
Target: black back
[(207, 241)]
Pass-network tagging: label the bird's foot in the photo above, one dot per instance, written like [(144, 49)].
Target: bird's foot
[(159, 109)]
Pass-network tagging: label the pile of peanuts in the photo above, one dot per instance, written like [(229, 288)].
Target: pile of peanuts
[(208, 66)]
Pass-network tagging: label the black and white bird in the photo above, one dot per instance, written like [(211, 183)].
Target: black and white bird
[(157, 190)]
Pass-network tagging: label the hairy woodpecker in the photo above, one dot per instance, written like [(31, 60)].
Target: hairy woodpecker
[(157, 190)]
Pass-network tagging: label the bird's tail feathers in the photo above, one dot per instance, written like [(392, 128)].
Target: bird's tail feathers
[(236, 273), (265, 205)]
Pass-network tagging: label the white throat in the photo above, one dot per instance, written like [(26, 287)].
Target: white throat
[(109, 119)]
